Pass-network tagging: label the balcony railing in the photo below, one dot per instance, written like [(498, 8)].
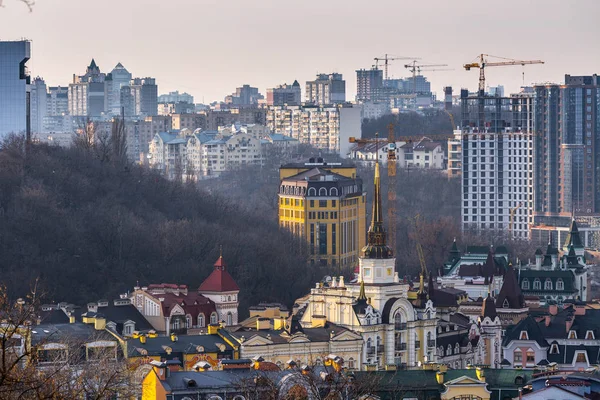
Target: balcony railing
[(371, 350), (400, 346)]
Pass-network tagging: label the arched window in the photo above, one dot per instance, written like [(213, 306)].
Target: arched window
[(548, 284), (537, 284), (200, 320), (351, 363), (560, 285), (525, 284), (333, 192), (228, 298), (505, 304), (213, 318), (188, 321), (398, 321), (457, 349), (229, 319), (312, 191), (282, 189), (322, 192), (449, 351), (530, 357)]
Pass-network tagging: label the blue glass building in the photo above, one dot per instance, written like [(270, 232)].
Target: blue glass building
[(14, 80)]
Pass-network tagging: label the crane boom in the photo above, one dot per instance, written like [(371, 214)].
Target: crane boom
[(386, 58), (483, 63)]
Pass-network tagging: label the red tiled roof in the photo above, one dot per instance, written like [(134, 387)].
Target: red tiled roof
[(219, 280)]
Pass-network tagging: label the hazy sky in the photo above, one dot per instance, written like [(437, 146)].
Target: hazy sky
[(209, 47)]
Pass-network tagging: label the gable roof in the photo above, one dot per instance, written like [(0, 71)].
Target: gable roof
[(219, 279), (533, 332)]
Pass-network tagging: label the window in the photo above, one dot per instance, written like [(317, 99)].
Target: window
[(548, 284), (213, 318), (572, 334), (554, 348), (229, 319), (589, 335), (517, 357), (525, 284), (323, 203), (537, 284), (200, 320), (188, 321), (523, 335), (351, 363), (560, 285), (581, 358), (530, 356)]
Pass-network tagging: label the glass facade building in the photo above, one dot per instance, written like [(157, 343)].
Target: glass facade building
[(14, 81)]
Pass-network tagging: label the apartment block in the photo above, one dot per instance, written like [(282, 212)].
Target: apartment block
[(497, 165), (327, 128), (327, 89), (284, 94), (368, 84)]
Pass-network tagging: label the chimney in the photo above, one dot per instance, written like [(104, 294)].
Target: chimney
[(173, 337), (480, 372), (342, 284), (579, 309), (553, 309), (99, 322), (213, 329), (548, 318), (160, 368), (71, 319), (279, 323), (263, 323), (143, 339)]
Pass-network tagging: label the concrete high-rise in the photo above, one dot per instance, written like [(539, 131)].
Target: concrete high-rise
[(497, 164), (244, 96), (120, 78), (14, 79), (368, 84), (88, 94), (327, 89), (38, 103), (284, 95), (567, 143)]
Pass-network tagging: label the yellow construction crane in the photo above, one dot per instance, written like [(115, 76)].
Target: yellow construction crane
[(386, 59), (483, 63), (512, 218)]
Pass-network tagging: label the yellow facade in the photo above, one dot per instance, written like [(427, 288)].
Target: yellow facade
[(466, 388), (327, 211)]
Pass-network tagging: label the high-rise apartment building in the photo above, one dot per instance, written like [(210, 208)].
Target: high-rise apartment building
[(567, 146), (327, 128), (327, 89), (57, 110), (176, 97), (145, 96), (284, 94), (324, 205), (38, 104), (88, 94), (14, 79), (244, 96), (120, 78), (497, 164), (368, 84)]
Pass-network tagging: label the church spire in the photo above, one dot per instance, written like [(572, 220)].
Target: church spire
[(361, 294), (376, 237)]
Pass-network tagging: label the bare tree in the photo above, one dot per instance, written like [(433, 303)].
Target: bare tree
[(119, 141), (85, 135), (28, 3)]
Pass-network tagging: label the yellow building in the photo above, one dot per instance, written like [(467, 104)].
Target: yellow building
[(324, 203)]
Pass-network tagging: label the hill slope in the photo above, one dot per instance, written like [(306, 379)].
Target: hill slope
[(89, 230)]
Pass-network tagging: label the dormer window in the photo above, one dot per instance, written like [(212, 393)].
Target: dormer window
[(560, 285), (525, 284), (554, 348), (572, 334), (523, 335), (589, 335), (505, 304), (537, 284), (548, 284)]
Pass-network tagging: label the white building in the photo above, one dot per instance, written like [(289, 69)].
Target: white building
[(327, 128), (422, 154), (497, 190)]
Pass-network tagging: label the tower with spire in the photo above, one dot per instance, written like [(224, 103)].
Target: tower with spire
[(221, 288)]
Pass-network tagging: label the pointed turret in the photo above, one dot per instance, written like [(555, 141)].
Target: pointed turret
[(489, 268), (92, 65), (574, 239), (454, 252), (489, 308), (361, 303), (510, 295), (376, 243)]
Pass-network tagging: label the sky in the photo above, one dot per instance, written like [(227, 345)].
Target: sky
[(209, 47)]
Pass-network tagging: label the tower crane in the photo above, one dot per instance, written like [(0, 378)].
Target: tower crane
[(483, 63), (386, 59), (413, 67)]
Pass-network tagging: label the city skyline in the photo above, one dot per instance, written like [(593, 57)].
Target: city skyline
[(206, 59)]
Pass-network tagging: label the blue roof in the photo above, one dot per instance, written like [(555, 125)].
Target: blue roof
[(167, 137), (281, 137)]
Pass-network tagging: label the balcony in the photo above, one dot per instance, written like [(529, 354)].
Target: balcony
[(400, 346), (380, 348), (371, 351), (431, 343)]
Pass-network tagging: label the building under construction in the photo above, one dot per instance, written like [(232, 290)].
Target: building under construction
[(497, 164)]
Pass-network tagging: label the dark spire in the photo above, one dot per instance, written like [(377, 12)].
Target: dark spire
[(454, 252), (431, 287), (93, 64), (361, 294), (510, 295), (376, 243), (573, 237), (361, 303), (489, 268), (489, 308)]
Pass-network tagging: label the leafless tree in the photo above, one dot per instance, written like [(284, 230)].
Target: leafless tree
[(85, 135), (119, 142), (28, 3)]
